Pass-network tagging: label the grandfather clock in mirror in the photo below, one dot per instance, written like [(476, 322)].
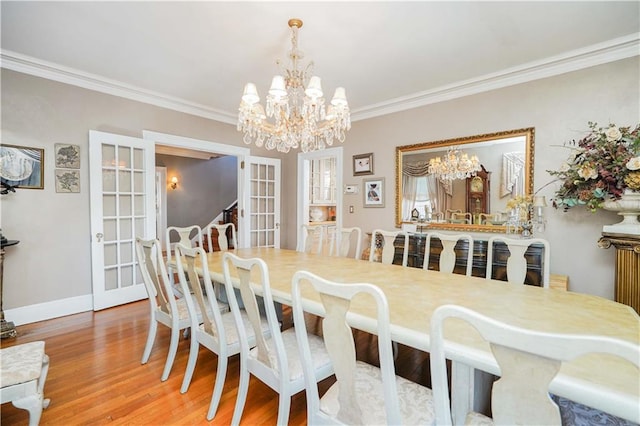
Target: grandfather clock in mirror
[(478, 193)]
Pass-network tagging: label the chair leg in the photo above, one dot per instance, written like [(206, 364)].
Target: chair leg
[(217, 388), (243, 387), (284, 405), (194, 347), (151, 337), (173, 349), (33, 404)]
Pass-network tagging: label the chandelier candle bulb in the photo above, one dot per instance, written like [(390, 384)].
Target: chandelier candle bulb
[(277, 87), (339, 97), (250, 95), (314, 90)]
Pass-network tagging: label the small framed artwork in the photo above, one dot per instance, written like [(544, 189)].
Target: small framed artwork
[(363, 164), (67, 156), (373, 192), (22, 166), (67, 180)]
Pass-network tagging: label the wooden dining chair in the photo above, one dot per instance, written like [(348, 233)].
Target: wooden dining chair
[(164, 306), (517, 262), (447, 261), (312, 239), (222, 238), (387, 250), (217, 330), (518, 397), (276, 360), (363, 394), (343, 242)]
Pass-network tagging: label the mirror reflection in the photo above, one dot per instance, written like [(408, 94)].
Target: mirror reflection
[(463, 183)]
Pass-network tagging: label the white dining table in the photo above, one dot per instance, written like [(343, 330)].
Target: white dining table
[(599, 381)]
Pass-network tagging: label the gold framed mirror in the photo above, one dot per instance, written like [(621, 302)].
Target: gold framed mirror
[(464, 203)]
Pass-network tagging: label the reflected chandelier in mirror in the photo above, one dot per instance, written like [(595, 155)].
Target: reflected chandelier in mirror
[(506, 160)]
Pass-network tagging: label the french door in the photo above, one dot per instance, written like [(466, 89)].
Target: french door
[(262, 175), (122, 171)]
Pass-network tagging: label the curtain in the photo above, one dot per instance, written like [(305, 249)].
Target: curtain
[(440, 191), (511, 181), (409, 192)]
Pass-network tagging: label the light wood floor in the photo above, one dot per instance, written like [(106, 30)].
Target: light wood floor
[(95, 376)]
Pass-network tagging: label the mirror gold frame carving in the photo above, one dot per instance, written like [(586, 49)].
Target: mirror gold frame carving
[(528, 133)]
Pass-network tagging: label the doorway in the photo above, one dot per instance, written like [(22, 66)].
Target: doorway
[(320, 173), (210, 148)]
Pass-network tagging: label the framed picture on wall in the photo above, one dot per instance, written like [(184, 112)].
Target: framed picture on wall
[(22, 166), (373, 192), (67, 180), (67, 156), (363, 164)]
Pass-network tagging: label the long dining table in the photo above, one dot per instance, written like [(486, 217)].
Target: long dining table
[(599, 381)]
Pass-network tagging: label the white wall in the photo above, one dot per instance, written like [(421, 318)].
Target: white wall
[(559, 109)]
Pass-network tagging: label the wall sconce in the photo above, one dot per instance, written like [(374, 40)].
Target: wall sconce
[(539, 202), (174, 182)]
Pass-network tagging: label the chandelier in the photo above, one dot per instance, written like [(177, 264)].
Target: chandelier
[(455, 165), (296, 107)]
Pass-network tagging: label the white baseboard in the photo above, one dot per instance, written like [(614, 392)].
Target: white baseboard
[(49, 310)]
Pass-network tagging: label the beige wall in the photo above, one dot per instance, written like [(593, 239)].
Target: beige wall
[(52, 261), (559, 109)]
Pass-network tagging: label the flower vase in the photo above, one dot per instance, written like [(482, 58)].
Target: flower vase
[(629, 208)]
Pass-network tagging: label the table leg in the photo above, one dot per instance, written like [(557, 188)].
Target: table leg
[(7, 328), (470, 391)]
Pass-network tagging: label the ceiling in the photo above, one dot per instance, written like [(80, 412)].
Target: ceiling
[(196, 57)]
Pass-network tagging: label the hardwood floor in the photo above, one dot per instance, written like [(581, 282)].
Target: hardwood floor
[(95, 376)]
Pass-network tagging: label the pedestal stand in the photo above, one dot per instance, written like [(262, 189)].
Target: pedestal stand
[(7, 329), (627, 266)]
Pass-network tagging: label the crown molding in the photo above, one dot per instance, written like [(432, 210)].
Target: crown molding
[(39, 68), (597, 54)]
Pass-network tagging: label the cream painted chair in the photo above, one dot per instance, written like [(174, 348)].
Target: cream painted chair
[(276, 360), (448, 214), (218, 331), (447, 261), (185, 236), (164, 307), (343, 239), (312, 239), (519, 397), (23, 371), (223, 240), (459, 217), (223, 244), (485, 218), (517, 263), (363, 394), (388, 250)]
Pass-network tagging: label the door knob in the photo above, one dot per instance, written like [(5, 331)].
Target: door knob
[(99, 236)]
